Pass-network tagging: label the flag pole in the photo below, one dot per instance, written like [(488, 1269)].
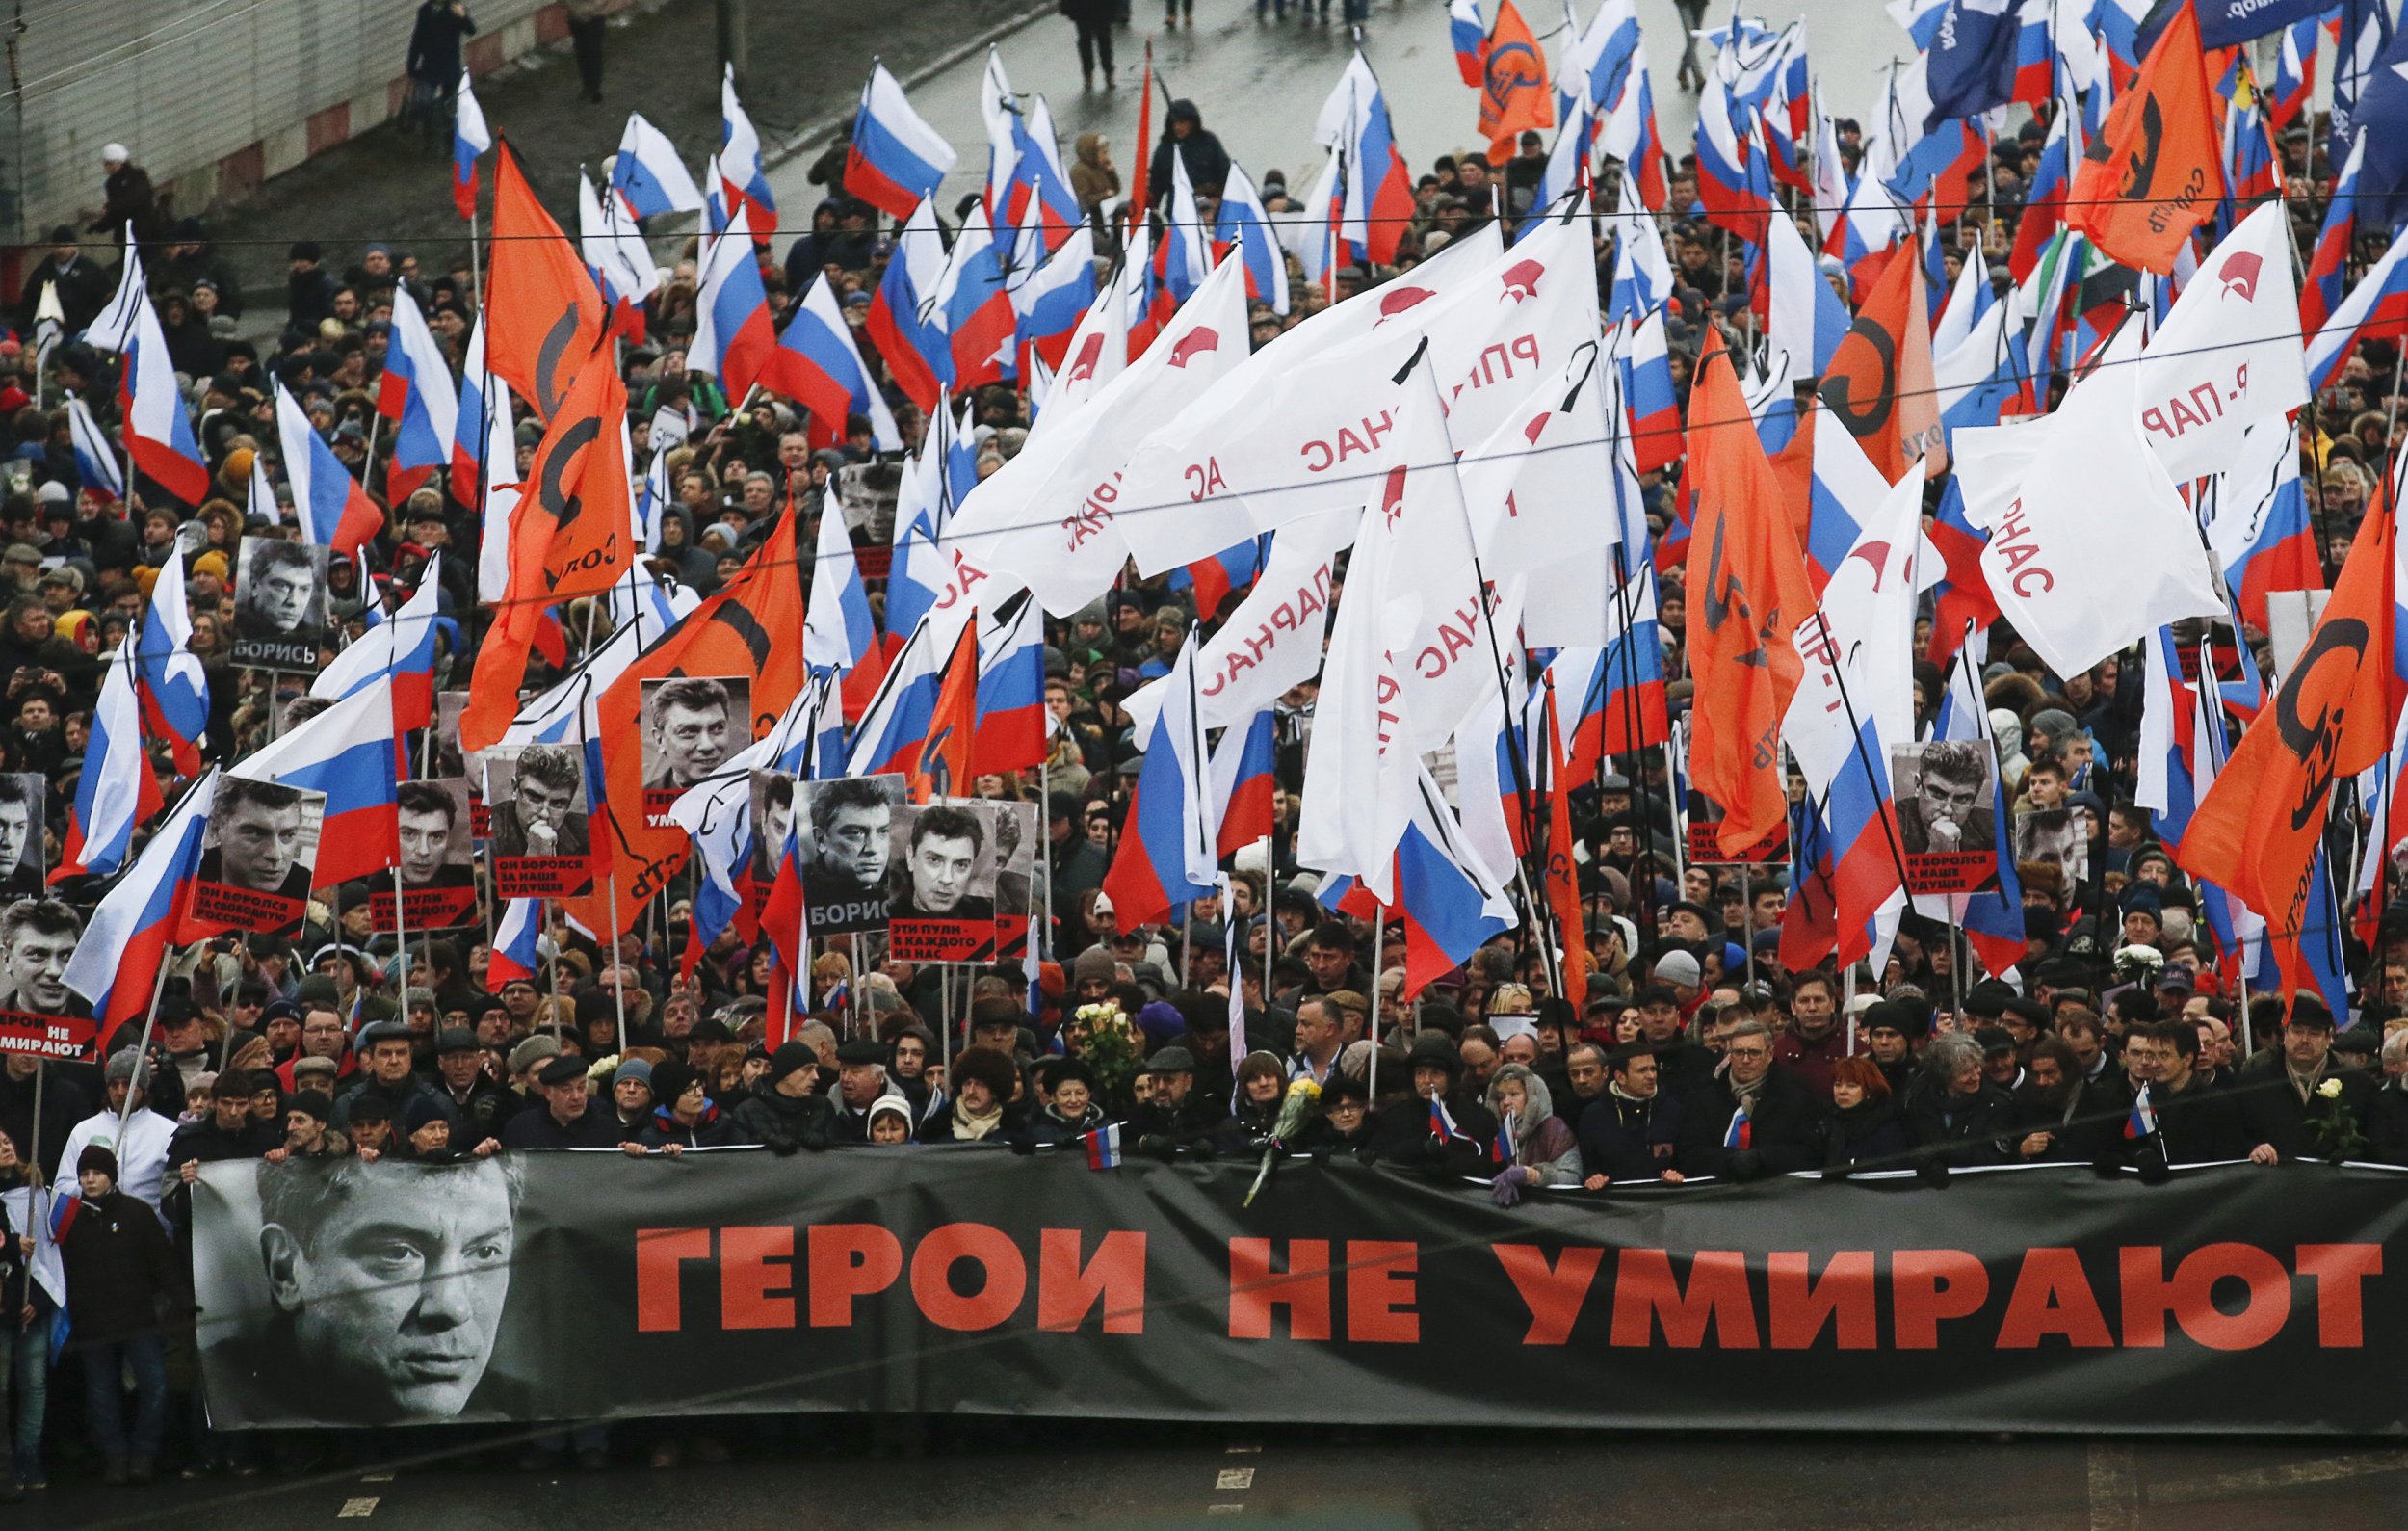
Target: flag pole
[(1379, 964), (1271, 925), (142, 1048)]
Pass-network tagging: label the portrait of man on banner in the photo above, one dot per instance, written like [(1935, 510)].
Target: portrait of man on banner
[(941, 904), (22, 796), (849, 847), (258, 857), (281, 617), (542, 844)]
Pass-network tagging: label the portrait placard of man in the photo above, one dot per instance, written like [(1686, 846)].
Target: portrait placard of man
[(385, 1284), (1946, 814), (22, 796), (37, 937), (691, 725), (541, 844), (261, 849), (438, 873), (941, 903), (279, 603), (850, 847)]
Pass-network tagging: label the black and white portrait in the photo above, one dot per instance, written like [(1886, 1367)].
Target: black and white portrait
[(279, 603), (259, 855), (691, 725), (23, 800), (849, 848), (37, 937), (360, 1293)]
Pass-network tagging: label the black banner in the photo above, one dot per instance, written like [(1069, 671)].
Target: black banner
[(586, 1285)]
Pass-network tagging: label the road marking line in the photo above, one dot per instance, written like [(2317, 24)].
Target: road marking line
[(376, 1477), (2321, 1469), (1234, 1478), (1222, 1509), (2115, 1489), (357, 1509), (1244, 1451)]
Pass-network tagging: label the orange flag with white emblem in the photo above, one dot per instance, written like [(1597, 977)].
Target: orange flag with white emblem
[(1747, 591), (2156, 171)]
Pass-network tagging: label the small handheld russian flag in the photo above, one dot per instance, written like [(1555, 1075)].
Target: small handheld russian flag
[(1103, 1148), (1741, 1133), (2143, 1122), (1442, 1121), (1501, 1152)]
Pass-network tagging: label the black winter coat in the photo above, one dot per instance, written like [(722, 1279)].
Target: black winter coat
[(2272, 1112), (1783, 1130), (120, 1270), (1868, 1133), (1972, 1129), (1630, 1139)]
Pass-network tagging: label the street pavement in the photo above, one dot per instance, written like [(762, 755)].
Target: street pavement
[(986, 1475)]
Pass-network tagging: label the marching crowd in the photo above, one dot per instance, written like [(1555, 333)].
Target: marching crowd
[(1695, 1054)]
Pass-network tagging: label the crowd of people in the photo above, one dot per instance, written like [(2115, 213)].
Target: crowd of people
[(1695, 1054)]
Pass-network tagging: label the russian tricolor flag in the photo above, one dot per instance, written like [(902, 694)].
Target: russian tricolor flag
[(647, 177), (1377, 194), (2294, 72), (2321, 292), (896, 722), (2377, 306), (1012, 691), (895, 161), (481, 430), (2168, 770), (1166, 857), (1469, 34), (352, 753), (401, 650), (1647, 393), (1217, 578), (517, 950), (974, 308), (2261, 529), (1642, 273), (1732, 180), (116, 789), (817, 365), (734, 336), (157, 431), (1450, 903), (2044, 200), (1182, 256), (173, 687), (2144, 1121), (415, 393), (912, 344), (1244, 224), (1245, 784), (95, 463), (838, 632), (333, 510), (737, 178), (115, 964), (470, 137), (1053, 293), (1616, 692), (1846, 491), (1630, 133)]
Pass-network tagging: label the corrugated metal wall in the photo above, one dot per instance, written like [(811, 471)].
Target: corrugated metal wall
[(199, 90)]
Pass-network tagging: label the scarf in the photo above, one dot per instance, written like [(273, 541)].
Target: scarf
[(2304, 1085), (974, 1125)]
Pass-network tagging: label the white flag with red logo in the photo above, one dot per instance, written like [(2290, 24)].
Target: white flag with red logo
[(2229, 354)]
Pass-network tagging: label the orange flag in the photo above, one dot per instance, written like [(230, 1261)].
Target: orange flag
[(1747, 591), (1513, 90), (542, 313), (943, 767), (2254, 837), (2156, 171), (1879, 383), (750, 631), (1563, 888), (572, 534)]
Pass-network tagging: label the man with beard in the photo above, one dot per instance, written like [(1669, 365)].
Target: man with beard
[(688, 728), (844, 879), (37, 937)]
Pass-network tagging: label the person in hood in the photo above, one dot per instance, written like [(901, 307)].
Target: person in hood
[(1185, 134), (1093, 177), (1535, 1145)]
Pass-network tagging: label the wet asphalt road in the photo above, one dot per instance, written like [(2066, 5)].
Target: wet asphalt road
[(1033, 1473)]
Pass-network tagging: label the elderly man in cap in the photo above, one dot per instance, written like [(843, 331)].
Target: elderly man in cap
[(860, 1079), (142, 1149), (480, 1104), (389, 1051), (2275, 1086), (1174, 1117), (569, 1118)]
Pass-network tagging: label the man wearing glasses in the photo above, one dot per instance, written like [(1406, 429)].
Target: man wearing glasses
[(1748, 1119)]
